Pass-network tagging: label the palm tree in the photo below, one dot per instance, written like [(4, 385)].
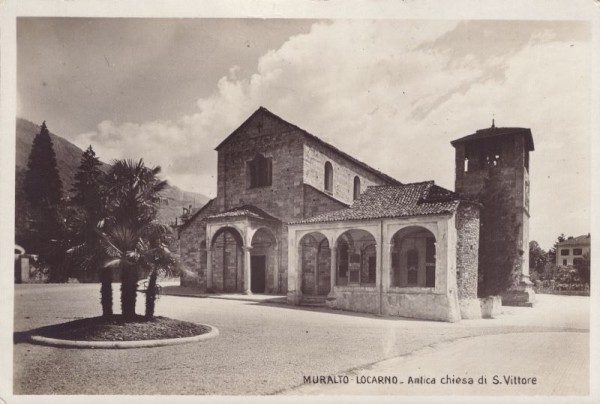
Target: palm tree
[(90, 255), (158, 258), (135, 250), (131, 237)]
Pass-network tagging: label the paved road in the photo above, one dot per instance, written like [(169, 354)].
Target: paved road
[(508, 364), (264, 348)]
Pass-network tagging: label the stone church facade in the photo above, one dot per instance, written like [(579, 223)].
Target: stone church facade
[(294, 215)]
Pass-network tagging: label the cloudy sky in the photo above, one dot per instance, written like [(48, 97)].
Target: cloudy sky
[(393, 93)]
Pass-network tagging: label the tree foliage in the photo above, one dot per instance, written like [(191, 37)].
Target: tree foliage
[(88, 187), (499, 256), (43, 190), (132, 238), (42, 182), (583, 265), (118, 228), (538, 258), (89, 212)]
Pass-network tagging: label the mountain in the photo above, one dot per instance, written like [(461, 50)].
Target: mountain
[(68, 157)]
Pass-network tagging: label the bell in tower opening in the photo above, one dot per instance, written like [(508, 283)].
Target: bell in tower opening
[(492, 168)]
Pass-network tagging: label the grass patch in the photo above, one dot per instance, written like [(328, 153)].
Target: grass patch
[(117, 328)]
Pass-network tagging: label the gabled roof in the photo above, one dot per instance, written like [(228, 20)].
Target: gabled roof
[(264, 111), (581, 240), (391, 201), (195, 214), (493, 132), (246, 210)]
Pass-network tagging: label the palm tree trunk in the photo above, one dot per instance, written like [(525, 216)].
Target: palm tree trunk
[(106, 297), (151, 295), (128, 291)]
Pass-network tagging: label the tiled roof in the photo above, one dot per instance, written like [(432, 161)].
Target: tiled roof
[(494, 132), (390, 201), (246, 210), (585, 239), (265, 111)]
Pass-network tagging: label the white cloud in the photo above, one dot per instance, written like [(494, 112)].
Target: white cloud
[(391, 95)]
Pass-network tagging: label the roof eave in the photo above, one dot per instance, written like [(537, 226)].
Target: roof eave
[(473, 137), (385, 217)]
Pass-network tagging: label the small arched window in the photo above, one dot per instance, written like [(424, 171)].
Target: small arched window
[(356, 187), (328, 177)]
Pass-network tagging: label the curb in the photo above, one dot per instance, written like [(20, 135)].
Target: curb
[(185, 295), (209, 296), (64, 343)]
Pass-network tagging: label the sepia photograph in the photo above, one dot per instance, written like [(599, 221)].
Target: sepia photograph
[(301, 202)]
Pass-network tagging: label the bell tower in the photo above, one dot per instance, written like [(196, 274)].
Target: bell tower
[(492, 168)]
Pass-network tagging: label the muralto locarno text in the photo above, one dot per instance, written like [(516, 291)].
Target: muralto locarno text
[(447, 379)]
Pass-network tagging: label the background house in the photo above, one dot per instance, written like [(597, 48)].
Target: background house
[(570, 250)]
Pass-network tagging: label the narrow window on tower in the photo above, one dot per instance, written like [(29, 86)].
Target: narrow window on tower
[(328, 177), (356, 187)]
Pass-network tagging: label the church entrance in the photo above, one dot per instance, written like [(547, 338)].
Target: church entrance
[(258, 265)]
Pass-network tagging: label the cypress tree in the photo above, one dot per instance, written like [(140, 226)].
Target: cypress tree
[(42, 182), (43, 189)]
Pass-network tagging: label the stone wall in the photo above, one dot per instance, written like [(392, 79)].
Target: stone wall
[(192, 239), (282, 286), (467, 250), (467, 259), (511, 164), (316, 202), (284, 197), (344, 171), (426, 306)]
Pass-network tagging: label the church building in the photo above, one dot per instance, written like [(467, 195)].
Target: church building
[(294, 215)]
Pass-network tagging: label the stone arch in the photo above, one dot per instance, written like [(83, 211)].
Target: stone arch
[(263, 261), (227, 260), (413, 257), (315, 262), (234, 230), (356, 258), (264, 232)]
